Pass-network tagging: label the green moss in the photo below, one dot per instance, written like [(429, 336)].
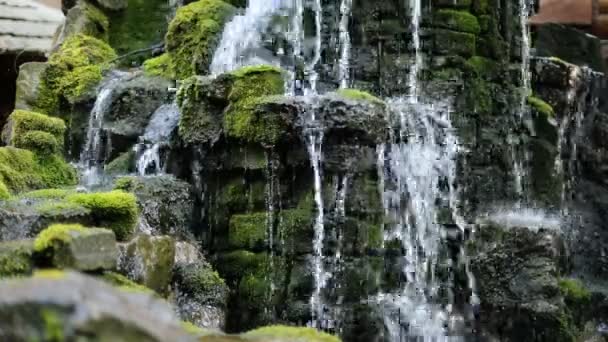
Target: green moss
[(193, 36), (455, 20), (358, 95), (541, 106), (58, 233), (53, 326), (15, 258), (252, 87), (199, 280), (22, 122), (480, 6), (574, 291), (448, 42), (21, 170), (482, 66), (248, 231), (73, 71), (42, 143), (123, 164), (116, 210), (125, 283), (193, 329), (139, 26), (49, 274), (235, 265), (97, 24), (44, 194), (159, 66), (60, 209), (4, 193), (295, 333)]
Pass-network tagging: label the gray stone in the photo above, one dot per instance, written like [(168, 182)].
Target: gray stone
[(80, 19), (113, 4), (92, 250), (165, 203), (71, 306), (16, 257), (148, 260), (28, 81)]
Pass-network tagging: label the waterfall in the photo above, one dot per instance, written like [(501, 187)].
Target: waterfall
[(416, 9), (241, 42), (414, 168), (345, 43), (157, 133), (315, 143), (92, 156), (526, 75), (311, 73)]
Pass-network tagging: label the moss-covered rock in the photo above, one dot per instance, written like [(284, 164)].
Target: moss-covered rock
[(202, 101), (193, 36), (251, 88), (291, 333), (73, 71), (20, 122), (22, 170), (248, 231), (148, 260), (120, 281), (84, 18), (448, 42), (115, 210), (74, 246), (541, 106), (140, 25), (456, 20), (358, 95), (16, 258), (121, 165), (159, 66)]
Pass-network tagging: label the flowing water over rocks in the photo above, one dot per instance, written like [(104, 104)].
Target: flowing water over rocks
[(157, 134)]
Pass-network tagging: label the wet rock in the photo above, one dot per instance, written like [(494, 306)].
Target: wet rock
[(16, 258), (517, 272), (570, 44), (165, 204), (148, 260), (28, 81), (71, 306), (133, 103), (113, 4), (83, 18), (86, 249)]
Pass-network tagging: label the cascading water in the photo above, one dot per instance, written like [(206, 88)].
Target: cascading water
[(92, 156), (162, 124), (242, 37), (345, 43), (416, 9)]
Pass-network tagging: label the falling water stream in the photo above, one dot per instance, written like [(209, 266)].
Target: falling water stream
[(162, 124), (92, 157), (345, 43)]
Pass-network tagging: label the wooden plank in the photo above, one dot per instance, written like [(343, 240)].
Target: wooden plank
[(27, 29), (30, 44), (602, 6), (40, 13), (577, 12)]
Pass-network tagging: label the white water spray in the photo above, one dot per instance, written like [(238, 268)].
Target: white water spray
[(163, 123), (345, 43)]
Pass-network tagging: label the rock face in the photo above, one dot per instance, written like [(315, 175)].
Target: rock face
[(56, 305), (28, 82), (517, 270)]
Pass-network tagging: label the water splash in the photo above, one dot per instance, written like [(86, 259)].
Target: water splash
[(241, 42), (92, 157), (414, 169), (345, 43), (157, 134), (531, 218)]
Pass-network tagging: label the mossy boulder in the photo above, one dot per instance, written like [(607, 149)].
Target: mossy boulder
[(358, 95), (73, 72), (193, 36), (21, 122), (251, 88), (22, 170), (77, 247), (4, 193), (121, 165), (159, 66), (248, 231), (201, 295), (115, 210), (202, 101), (448, 42), (16, 258), (456, 20), (120, 281), (148, 260), (165, 204), (28, 82), (84, 18), (279, 333)]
